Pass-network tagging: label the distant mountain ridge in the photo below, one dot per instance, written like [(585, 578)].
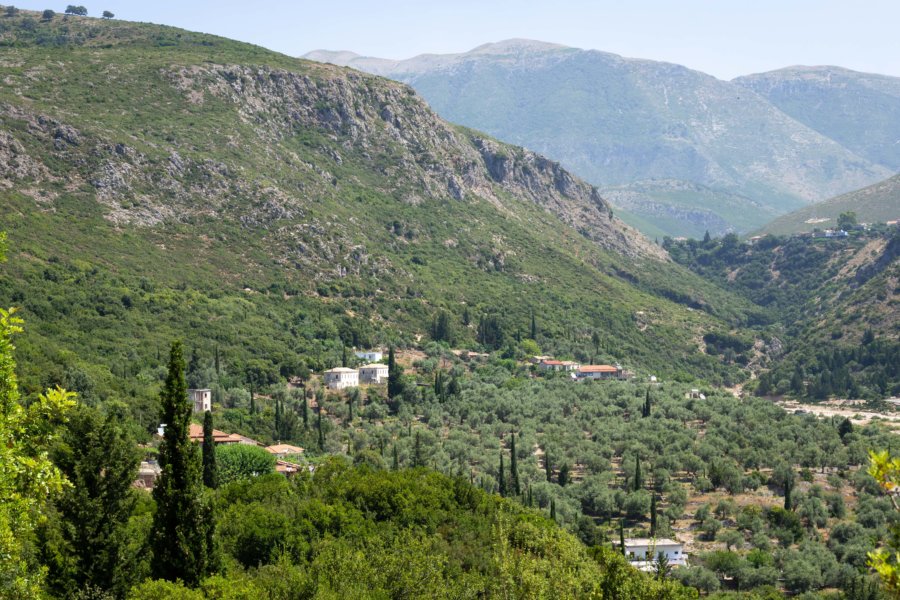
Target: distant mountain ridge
[(625, 122)]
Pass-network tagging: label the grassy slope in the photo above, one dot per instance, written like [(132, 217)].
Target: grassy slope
[(101, 297), (873, 204)]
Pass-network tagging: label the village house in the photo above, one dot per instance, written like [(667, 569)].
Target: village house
[(538, 359), (374, 373), (599, 372), (281, 451), (643, 553), (558, 365), (371, 356), (341, 378), (201, 399), (195, 432)]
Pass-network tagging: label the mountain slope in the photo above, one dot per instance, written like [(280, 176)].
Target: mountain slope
[(873, 204), (160, 183), (861, 111), (618, 121)]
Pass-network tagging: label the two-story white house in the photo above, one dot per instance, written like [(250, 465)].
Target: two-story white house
[(372, 356), (201, 399), (374, 373), (600, 372), (341, 378), (643, 553)]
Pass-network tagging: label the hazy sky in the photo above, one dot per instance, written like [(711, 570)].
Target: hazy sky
[(725, 38)]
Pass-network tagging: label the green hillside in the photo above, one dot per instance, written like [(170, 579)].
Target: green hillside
[(277, 210), (877, 203)]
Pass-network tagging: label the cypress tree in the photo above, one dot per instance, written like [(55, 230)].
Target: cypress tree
[(218, 370), (530, 498), (210, 470), (395, 381), (350, 406), (647, 405), (305, 403), (252, 401), (552, 509), (277, 417), (533, 327), (788, 484), (622, 535), (562, 477), (396, 463), (182, 523), (502, 476), (417, 452), (321, 431), (653, 516), (343, 355), (548, 469), (514, 468), (638, 478)]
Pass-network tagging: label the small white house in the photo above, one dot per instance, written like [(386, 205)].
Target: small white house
[(202, 400), (549, 364), (341, 377), (374, 373), (643, 553), (370, 355), (600, 372)]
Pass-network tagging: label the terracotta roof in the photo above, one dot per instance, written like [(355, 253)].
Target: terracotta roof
[(597, 369), (551, 362), (284, 449), (195, 432)]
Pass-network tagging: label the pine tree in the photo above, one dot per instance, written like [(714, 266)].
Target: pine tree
[(638, 478), (653, 515), (210, 470), (182, 523), (514, 468), (501, 476)]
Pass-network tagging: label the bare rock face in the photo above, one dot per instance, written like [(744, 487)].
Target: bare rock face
[(364, 114)]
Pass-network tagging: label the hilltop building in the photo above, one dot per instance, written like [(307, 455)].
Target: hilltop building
[(341, 378), (373, 373), (201, 399), (642, 553), (370, 355), (600, 372)]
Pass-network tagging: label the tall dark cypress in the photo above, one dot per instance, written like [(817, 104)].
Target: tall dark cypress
[(502, 475), (218, 370), (638, 478), (181, 525), (321, 431), (418, 461), (305, 403), (788, 485), (552, 509), (395, 383), (396, 462), (514, 468), (548, 468), (653, 516), (533, 327), (210, 470), (622, 536)]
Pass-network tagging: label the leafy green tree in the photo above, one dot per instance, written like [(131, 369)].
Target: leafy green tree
[(48, 15), (108, 15), (501, 476), (395, 376), (210, 472), (100, 460), (562, 478), (242, 461), (548, 467), (182, 523), (76, 10), (11, 11), (28, 480), (846, 220)]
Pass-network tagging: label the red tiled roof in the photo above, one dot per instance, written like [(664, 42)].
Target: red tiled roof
[(195, 432), (551, 362), (597, 369)]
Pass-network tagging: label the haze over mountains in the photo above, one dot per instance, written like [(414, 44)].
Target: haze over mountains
[(679, 150)]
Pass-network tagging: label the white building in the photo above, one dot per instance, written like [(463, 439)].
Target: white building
[(642, 553), (374, 373), (370, 355), (341, 377), (202, 400), (600, 372)]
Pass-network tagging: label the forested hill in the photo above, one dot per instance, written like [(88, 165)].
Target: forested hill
[(158, 183), (833, 302)]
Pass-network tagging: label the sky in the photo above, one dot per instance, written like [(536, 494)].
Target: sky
[(725, 38)]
